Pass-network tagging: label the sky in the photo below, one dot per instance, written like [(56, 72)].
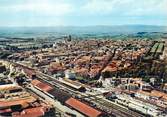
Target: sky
[(82, 12)]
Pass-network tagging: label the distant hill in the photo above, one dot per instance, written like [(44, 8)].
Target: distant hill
[(78, 30)]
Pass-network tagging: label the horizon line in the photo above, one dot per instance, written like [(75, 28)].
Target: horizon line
[(84, 26)]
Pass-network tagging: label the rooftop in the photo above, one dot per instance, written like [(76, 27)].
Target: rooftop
[(83, 108)]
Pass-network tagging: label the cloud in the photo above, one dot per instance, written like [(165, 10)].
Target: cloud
[(45, 7), (88, 7), (98, 6), (148, 8), (82, 12), (126, 7)]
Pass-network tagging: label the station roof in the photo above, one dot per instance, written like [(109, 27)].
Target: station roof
[(71, 83), (83, 108), (41, 85), (59, 95)]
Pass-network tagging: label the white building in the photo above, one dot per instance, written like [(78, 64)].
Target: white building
[(70, 74)]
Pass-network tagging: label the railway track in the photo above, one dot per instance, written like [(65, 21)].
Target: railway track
[(109, 107), (106, 105), (58, 112), (55, 83), (123, 111)]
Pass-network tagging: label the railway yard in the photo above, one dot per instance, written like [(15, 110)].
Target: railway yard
[(86, 78)]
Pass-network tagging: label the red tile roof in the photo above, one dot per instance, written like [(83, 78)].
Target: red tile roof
[(41, 85), (44, 87), (83, 108), (29, 72), (17, 102), (35, 82), (32, 112), (5, 110)]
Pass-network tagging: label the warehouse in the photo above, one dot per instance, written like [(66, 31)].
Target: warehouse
[(59, 95), (40, 85), (83, 108)]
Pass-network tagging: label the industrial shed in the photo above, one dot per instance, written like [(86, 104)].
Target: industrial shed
[(83, 108), (59, 95), (42, 86)]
